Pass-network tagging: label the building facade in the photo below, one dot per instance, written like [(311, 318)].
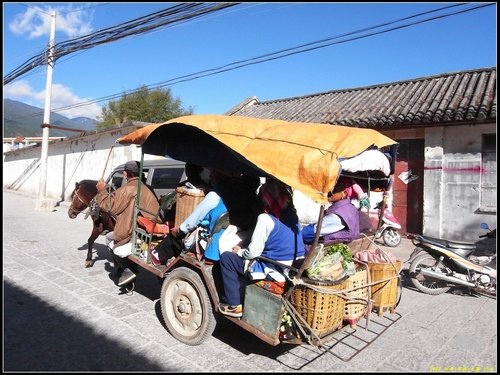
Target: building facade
[(445, 178)]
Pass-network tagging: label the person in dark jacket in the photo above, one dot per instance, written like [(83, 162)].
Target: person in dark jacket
[(193, 180)]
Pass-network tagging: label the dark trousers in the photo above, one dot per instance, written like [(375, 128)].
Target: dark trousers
[(169, 247), (233, 277), (125, 263)]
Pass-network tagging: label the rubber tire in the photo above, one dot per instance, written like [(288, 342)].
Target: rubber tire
[(391, 237), (184, 289), (423, 284)]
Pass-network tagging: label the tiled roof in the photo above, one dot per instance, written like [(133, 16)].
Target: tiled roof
[(461, 97)]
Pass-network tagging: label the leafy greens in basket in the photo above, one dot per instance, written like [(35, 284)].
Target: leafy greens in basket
[(336, 261)]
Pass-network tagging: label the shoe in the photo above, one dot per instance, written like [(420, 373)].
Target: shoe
[(234, 311), (119, 271), (155, 260), (126, 277)]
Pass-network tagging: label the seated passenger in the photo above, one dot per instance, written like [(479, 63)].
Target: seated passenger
[(208, 210), (120, 203), (276, 236), (340, 222), (193, 178)]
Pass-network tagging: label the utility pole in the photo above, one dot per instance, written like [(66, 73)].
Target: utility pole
[(44, 204)]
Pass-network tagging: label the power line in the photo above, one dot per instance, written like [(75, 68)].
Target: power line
[(176, 13), (343, 38), (289, 52)]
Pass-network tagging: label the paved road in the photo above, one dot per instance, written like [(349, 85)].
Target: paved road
[(60, 316)]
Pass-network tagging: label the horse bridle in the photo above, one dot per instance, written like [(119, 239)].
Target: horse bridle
[(81, 200)]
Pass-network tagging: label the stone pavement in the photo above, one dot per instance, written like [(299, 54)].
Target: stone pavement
[(60, 316)]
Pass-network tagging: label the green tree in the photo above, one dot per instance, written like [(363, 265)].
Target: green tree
[(143, 105)]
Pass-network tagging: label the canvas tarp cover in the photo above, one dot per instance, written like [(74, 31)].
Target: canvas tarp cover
[(303, 155)]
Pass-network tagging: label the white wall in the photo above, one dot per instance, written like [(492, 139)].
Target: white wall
[(452, 182), (69, 161), (452, 173)]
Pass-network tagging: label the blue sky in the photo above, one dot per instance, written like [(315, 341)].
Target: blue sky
[(248, 30)]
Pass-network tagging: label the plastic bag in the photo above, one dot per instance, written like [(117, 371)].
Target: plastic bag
[(328, 267), (375, 256)]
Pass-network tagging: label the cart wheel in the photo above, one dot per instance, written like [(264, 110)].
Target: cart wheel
[(186, 307)]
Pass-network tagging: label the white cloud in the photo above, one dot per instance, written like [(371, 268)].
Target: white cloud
[(35, 22), (61, 96), (18, 89), (71, 20)]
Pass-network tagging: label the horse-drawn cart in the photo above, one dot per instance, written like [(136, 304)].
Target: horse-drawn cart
[(304, 156)]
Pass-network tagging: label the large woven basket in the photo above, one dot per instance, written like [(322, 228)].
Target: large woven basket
[(186, 200), (384, 278), (359, 244), (357, 304), (323, 312)]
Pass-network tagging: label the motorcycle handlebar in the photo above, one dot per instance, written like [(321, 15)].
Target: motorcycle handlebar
[(491, 234)]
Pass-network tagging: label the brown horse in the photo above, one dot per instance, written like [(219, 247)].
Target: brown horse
[(83, 197)]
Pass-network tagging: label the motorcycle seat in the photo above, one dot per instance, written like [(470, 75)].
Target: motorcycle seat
[(447, 243), (463, 249)]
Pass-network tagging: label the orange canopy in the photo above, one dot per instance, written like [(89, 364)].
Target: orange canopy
[(303, 155)]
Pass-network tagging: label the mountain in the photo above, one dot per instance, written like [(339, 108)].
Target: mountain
[(25, 120)]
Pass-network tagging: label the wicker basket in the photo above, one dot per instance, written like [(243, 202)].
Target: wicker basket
[(359, 244), (186, 200), (357, 305), (384, 293), (323, 312)]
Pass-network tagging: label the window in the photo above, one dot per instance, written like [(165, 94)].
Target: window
[(166, 178), (117, 179), (488, 200)]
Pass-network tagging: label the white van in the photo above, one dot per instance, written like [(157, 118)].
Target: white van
[(162, 175)]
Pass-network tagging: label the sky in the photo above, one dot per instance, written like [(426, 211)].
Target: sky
[(241, 33)]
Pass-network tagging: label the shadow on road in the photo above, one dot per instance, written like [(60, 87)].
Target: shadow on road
[(38, 337)]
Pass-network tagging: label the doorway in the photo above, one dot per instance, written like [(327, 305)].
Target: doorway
[(408, 186)]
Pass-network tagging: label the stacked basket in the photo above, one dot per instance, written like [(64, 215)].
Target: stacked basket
[(320, 305), (385, 280), (356, 305)]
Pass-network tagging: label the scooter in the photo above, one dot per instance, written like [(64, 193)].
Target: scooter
[(437, 265), (389, 230)]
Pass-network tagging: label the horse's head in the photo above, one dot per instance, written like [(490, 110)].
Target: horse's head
[(81, 197)]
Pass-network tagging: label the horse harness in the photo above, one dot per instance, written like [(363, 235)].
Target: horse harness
[(94, 210), (86, 204)]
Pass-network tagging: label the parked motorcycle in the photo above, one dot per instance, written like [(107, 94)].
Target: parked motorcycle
[(437, 264), (389, 230)]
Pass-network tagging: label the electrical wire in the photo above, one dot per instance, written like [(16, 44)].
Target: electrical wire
[(285, 53), (174, 14), (343, 38)]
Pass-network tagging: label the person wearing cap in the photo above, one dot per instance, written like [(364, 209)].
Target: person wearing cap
[(120, 203), (276, 236)]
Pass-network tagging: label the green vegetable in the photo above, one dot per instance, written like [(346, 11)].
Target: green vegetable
[(341, 248), (315, 271), (322, 267)]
